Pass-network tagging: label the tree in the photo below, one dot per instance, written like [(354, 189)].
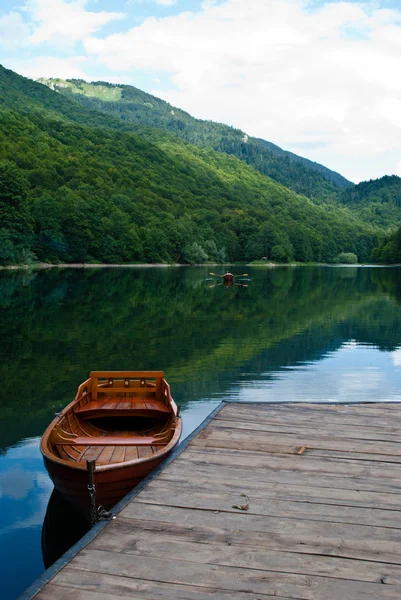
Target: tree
[(347, 258), (195, 254), (15, 216), (7, 248)]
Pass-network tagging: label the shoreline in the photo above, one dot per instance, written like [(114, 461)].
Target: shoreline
[(269, 265), (87, 266)]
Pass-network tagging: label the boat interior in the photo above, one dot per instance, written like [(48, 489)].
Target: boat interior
[(116, 417)]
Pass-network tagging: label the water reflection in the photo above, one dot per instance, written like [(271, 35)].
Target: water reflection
[(63, 526), (24, 492), (313, 334), (353, 373)]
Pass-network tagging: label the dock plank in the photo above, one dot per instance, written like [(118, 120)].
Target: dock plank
[(233, 579), (309, 510), (253, 439), (374, 434), (355, 541), (322, 487), (113, 586), (213, 551), (241, 458), (289, 492)]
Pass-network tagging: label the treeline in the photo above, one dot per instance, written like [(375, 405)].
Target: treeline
[(389, 249)]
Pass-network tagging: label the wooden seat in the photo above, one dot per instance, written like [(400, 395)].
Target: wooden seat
[(111, 441), (135, 406)]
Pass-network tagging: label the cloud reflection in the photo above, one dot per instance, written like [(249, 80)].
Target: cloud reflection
[(24, 487), (396, 357), (369, 377), (17, 483)]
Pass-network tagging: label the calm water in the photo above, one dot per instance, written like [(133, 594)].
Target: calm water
[(304, 334)]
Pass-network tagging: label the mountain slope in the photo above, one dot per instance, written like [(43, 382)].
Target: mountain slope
[(328, 174), (139, 108), (94, 192), (377, 200)]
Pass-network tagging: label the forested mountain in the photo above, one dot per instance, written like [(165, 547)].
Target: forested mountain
[(377, 200), (75, 186), (134, 106), (336, 178), (389, 249)]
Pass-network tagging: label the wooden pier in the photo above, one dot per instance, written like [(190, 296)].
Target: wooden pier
[(291, 501)]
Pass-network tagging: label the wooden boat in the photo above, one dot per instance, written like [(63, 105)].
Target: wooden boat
[(228, 277), (126, 421)]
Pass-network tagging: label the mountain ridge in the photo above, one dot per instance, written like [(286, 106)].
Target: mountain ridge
[(77, 185), (140, 108)]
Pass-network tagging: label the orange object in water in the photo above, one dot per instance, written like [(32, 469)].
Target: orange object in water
[(228, 277)]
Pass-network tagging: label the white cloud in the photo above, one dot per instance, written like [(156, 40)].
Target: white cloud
[(14, 33), (61, 22), (312, 79), (160, 2), (45, 66)]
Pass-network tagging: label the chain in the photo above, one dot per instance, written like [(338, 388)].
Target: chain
[(103, 514), (93, 513), (91, 467)]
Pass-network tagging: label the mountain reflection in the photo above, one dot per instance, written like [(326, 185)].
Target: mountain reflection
[(59, 324)]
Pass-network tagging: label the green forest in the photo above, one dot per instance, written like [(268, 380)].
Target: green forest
[(134, 106), (80, 185), (389, 250), (377, 201)]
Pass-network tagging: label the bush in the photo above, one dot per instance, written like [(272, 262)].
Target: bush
[(281, 253), (347, 258), (195, 254)]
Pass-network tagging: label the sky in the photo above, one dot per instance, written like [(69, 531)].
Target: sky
[(319, 78)]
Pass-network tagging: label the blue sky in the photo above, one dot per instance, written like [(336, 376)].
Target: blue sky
[(318, 78)]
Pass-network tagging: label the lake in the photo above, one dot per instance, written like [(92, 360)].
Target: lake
[(315, 334)]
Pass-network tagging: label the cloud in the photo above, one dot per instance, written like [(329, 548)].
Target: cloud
[(61, 22), (14, 33), (160, 2), (45, 66), (320, 77)]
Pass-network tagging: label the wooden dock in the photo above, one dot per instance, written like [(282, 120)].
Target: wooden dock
[(322, 489)]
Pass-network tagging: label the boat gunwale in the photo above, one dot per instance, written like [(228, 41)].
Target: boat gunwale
[(81, 465)]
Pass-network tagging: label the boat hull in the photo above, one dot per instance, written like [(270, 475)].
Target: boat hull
[(122, 424), (111, 486)]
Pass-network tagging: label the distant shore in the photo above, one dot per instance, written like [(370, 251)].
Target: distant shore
[(40, 266), (35, 266), (86, 266)]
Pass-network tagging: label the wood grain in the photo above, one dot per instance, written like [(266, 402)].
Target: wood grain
[(322, 487)]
